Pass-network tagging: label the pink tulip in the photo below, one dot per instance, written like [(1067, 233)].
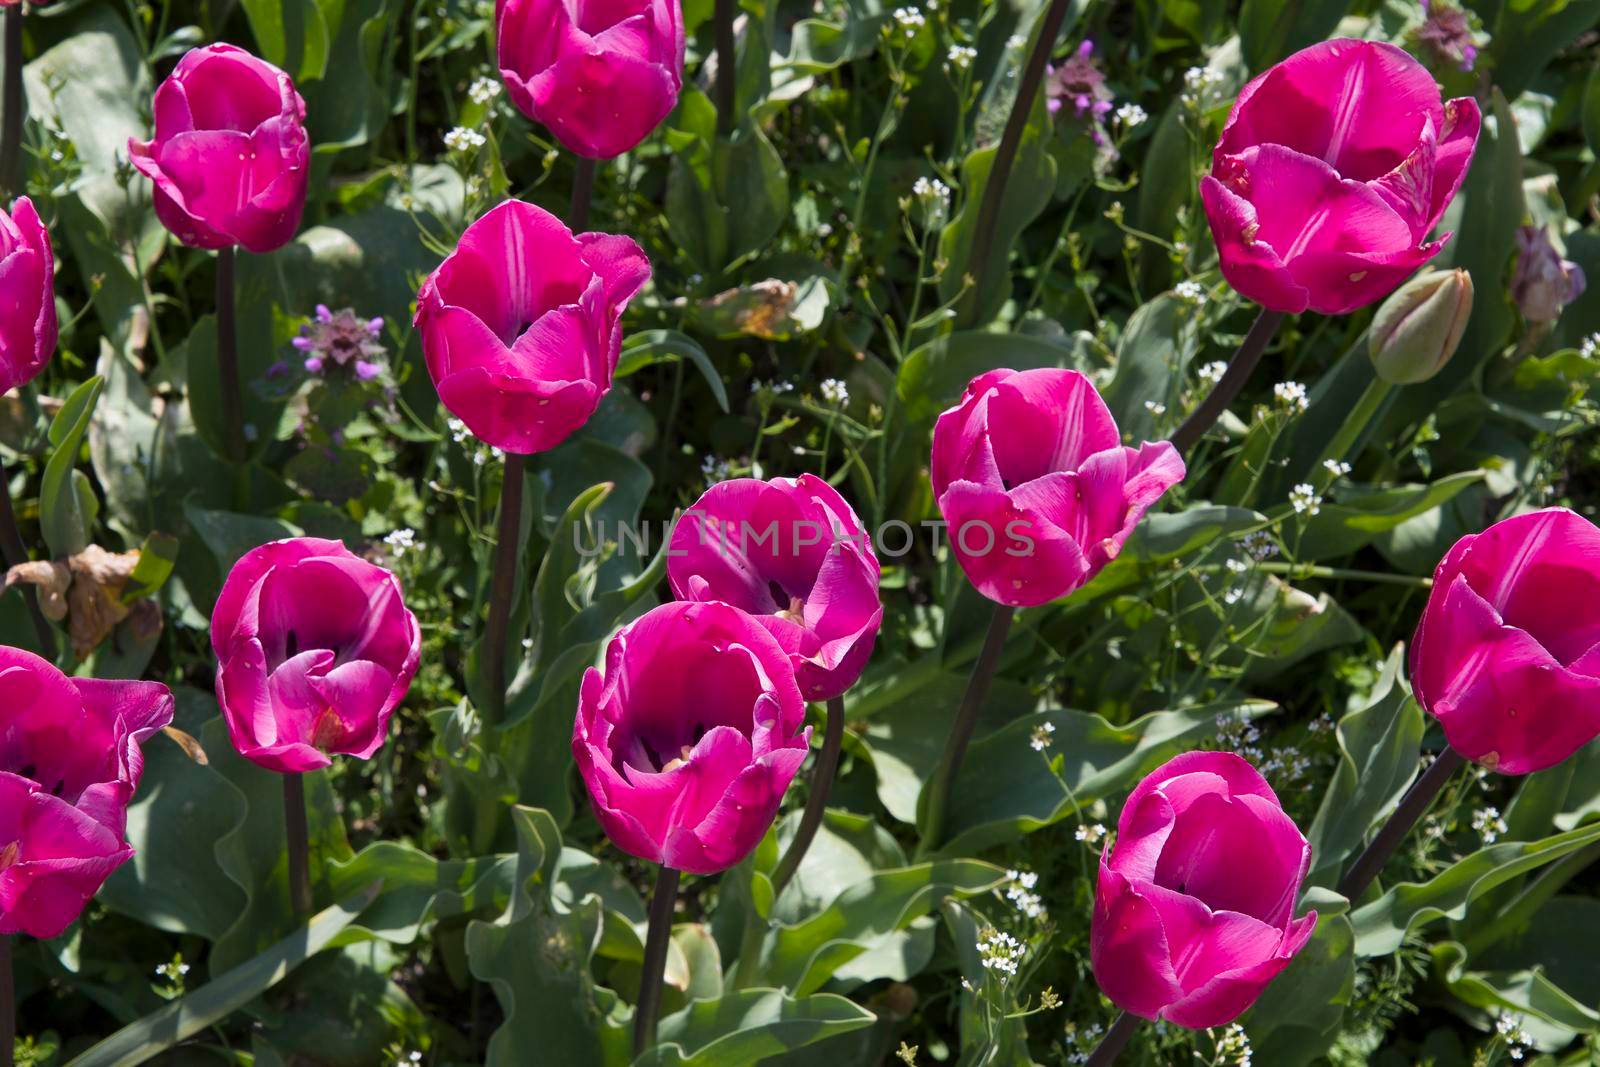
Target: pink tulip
[(1036, 487), (69, 763), (601, 74), (689, 737), (27, 296), (792, 553), (521, 325), (315, 649), (1332, 170), (230, 155), (1193, 913), (1507, 653)]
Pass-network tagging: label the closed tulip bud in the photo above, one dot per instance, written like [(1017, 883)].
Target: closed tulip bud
[(1417, 329), (315, 649), (690, 735), (1194, 909), (1507, 652), (69, 763), (27, 296)]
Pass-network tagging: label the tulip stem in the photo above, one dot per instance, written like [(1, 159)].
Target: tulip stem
[(663, 903), (582, 194), (1005, 154), (503, 583), (1416, 801), (955, 749), (11, 132), (1350, 431), (1240, 367), (298, 843), (727, 66), (228, 359), (1116, 1039), (16, 553), (8, 1004), (827, 766)]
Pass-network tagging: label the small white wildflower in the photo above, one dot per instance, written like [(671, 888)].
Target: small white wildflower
[(1021, 895), (458, 430), (1322, 724), (835, 391), (960, 57), (1190, 292), (1131, 115), (1232, 595), (1016, 41), (1155, 408), (1090, 833), (999, 951), (910, 20), (401, 541), (484, 90), (1041, 738), (462, 139), (1212, 372), (1304, 499), (715, 469), (1590, 347), (1488, 824), (1235, 1044), (1237, 566), (1260, 545), (1198, 82), (1517, 1040), (1292, 395), (1336, 467)]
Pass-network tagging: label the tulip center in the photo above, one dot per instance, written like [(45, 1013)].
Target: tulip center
[(644, 754), (328, 731)]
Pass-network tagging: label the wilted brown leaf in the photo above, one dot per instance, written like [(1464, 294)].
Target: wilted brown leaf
[(49, 579)]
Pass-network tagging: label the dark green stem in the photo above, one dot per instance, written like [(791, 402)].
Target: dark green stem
[(228, 359), (955, 749), (582, 194), (11, 124), (1416, 801), (8, 1004), (1115, 1041), (502, 589), (16, 553), (727, 66), (827, 766), (1005, 155), (1240, 367), (297, 840), (663, 902)]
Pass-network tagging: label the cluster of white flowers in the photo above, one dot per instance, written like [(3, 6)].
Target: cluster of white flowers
[(1336, 467), (716, 469), (834, 391), (1233, 594), (1082, 1042), (910, 20), (1090, 833), (1487, 824), (484, 90), (1237, 733), (1517, 1040), (482, 457), (462, 139), (1322, 724), (1211, 373), (1131, 115), (1155, 408), (401, 541), (930, 189), (1260, 545), (1237, 566), (458, 430), (1304, 499), (776, 388), (1198, 85), (1590, 347), (1019, 890), (1190, 292), (1234, 1046), (1041, 739), (1292, 396), (999, 951), (410, 1058), (1287, 763), (174, 971), (960, 56)]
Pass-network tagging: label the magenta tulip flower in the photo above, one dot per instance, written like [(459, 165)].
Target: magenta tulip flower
[(792, 553), (601, 74), (230, 155), (1507, 653), (521, 325), (27, 296), (1193, 913), (315, 649), (1334, 167), (69, 763), (1036, 487), (689, 737)]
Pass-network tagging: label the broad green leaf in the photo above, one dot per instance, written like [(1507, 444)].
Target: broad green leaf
[(229, 535), (1271, 29), (65, 518), (1153, 359), (1164, 537), (419, 889), (641, 350), (1269, 628), (1355, 515), (744, 1028), (1297, 1016), (1379, 746), (934, 375), (254, 338), (1552, 1015), (1528, 35), (225, 994)]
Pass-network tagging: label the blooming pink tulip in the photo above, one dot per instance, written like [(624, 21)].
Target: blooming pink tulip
[(27, 296), (1332, 170), (520, 325), (1193, 913), (315, 649), (689, 737), (601, 74), (792, 553), (69, 763), (1036, 486), (1507, 653), (230, 155)]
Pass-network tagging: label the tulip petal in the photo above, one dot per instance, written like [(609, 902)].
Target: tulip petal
[(1128, 948), (1251, 266)]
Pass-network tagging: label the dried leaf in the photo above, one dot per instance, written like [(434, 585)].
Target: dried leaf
[(190, 745), (98, 578), (50, 579)]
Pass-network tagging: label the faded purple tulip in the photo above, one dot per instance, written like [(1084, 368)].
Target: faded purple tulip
[(1446, 33), (792, 553), (1543, 283), (689, 737), (69, 763), (601, 74), (315, 649), (1334, 167), (1080, 82), (1507, 652), (1194, 910), (27, 296), (230, 155), (521, 325), (1036, 487)]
